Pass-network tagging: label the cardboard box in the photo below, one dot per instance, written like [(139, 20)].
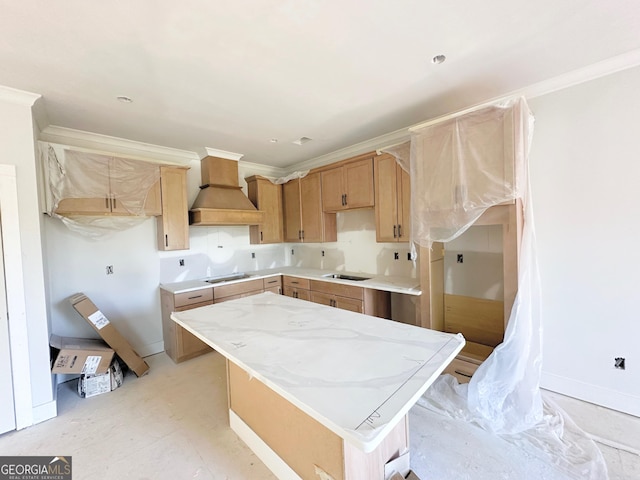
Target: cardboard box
[(85, 307), (80, 355), (92, 385), (399, 469)]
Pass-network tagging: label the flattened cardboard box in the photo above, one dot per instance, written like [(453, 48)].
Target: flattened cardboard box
[(85, 307), (80, 355)]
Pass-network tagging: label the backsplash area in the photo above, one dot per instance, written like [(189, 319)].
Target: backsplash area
[(222, 250), (356, 249)]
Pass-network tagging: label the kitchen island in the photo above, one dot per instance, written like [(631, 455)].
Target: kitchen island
[(315, 390)]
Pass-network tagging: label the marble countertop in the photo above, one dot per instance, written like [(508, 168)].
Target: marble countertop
[(406, 285), (358, 375)]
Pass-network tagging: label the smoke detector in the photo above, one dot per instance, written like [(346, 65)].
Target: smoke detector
[(301, 140)]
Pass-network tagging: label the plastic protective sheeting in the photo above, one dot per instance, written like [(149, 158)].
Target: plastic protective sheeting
[(81, 175), (291, 176), (460, 168), (466, 165)]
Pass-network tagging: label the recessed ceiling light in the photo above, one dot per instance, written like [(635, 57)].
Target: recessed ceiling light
[(438, 59), (274, 140), (124, 99)]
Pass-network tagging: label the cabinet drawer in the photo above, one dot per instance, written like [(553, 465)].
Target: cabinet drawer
[(348, 291), (272, 282), (461, 369), (255, 286), (193, 297), (294, 292), (296, 282), (194, 305)]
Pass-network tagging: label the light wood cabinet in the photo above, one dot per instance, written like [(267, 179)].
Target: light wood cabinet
[(267, 197), (224, 293), (350, 297), (173, 224), (296, 287), (112, 190), (393, 200), (273, 284), (304, 220), (180, 344), (348, 186)]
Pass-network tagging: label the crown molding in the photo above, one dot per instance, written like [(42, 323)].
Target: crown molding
[(126, 148), (214, 152), (570, 79), (263, 170), (395, 137), (13, 95)]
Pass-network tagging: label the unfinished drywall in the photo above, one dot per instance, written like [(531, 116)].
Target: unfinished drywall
[(356, 249), (584, 174), (473, 264)]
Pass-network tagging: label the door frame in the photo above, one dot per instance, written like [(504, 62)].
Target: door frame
[(16, 307)]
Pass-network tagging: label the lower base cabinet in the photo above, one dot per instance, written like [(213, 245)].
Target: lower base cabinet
[(347, 297), (180, 344)]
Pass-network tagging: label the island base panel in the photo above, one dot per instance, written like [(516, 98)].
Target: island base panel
[(299, 441)]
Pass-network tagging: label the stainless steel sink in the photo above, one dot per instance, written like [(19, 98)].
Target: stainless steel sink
[(226, 278), (341, 276)]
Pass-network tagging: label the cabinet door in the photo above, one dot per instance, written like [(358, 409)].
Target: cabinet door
[(153, 202), (404, 205), (350, 304), (266, 196), (322, 298), (333, 190), (173, 225), (311, 200), (358, 180), (386, 193), (87, 185), (294, 292), (292, 213)]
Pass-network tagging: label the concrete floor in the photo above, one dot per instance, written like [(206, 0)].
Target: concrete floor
[(172, 424)]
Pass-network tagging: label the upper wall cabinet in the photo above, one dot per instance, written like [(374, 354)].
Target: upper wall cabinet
[(304, 220), (91, 184), (393, 199), (267, 197), (173, 225), (348, 186)]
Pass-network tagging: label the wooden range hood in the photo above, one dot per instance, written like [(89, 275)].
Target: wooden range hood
[(220, 200)]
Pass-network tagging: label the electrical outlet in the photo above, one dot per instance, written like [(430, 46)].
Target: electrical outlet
[(181, 261), (460, 258), (396, 256), (620, 364), (323, 253), (292, 252), (253, 254), (409, 256), (109, 269)]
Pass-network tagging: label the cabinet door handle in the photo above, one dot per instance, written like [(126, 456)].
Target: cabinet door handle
[(106, 202), (279, 290), (463, 374), (272, 281), (399, 231), (295, 282), (395, 228), (166, 240), (261, 238), (197, 296), (345, 200), (295, 294), (113, 204), (299, 234), (302, 235)]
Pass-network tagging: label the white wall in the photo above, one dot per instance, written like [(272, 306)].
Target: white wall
[(356, 250), (585, 173), (17, 148)]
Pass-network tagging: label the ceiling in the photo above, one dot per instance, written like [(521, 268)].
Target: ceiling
[(234, 75)]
